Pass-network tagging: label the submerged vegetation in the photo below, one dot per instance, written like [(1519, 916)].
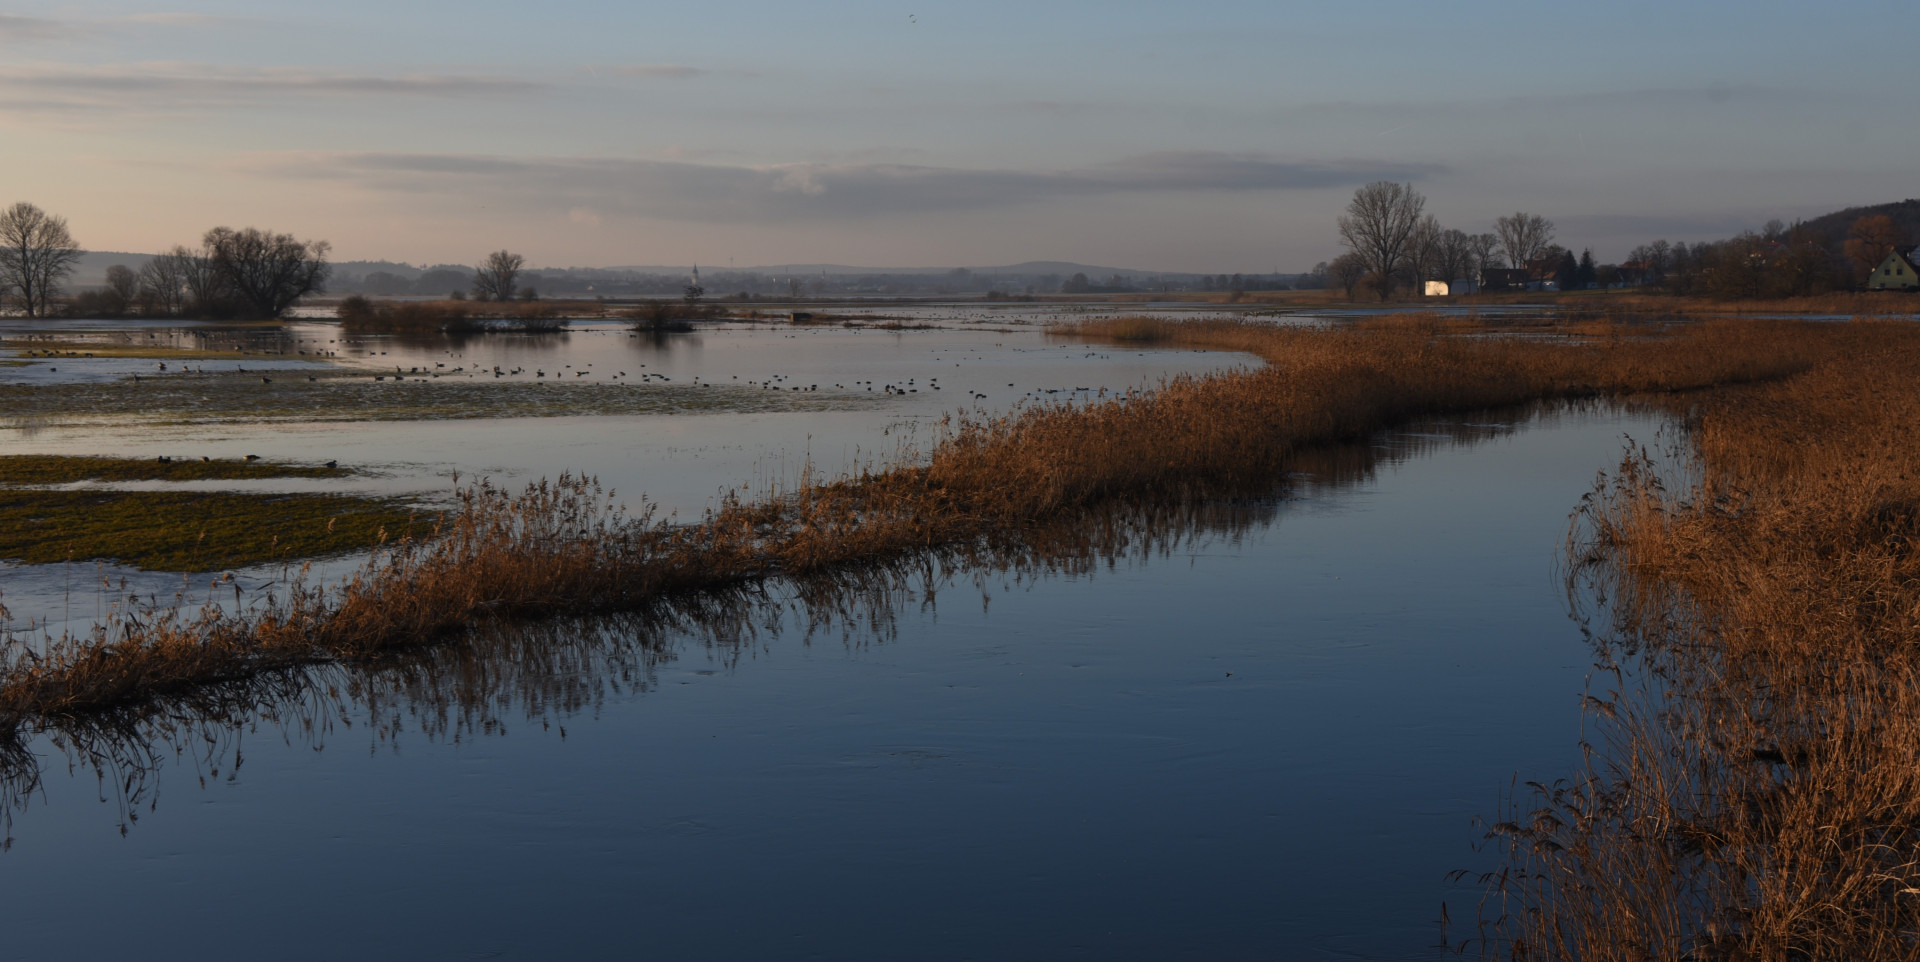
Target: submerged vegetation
[(338, 395), (20, 469), (362, 315), (174, 530), (192, 531)]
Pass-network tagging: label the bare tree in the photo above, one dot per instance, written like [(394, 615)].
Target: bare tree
[(1523, 236), (1486, 250), (1453, 256), (1379, 222), (208, 285), (1347, 271), (163, 282), (267, 272), (1869, 239), (493, 280), (36, 254), (123, 288), (1423, 253)]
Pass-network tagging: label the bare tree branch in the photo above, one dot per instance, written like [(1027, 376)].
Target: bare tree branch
[(37, 253), (494, 279), (267, 272), (1379, 223), (1524, 237)]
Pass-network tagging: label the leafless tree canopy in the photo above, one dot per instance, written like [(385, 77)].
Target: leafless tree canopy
[(1486, 251), (267, 272), (123, 287), (1423, 252), (494, 279), (1523, 236), (1378, 225), (36, 254), (164, 282), (1453, 256), (1346, 272)]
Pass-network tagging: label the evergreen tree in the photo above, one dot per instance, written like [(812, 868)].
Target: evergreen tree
[(1566, 274)]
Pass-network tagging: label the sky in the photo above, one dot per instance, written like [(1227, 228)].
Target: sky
[(1200, 136)]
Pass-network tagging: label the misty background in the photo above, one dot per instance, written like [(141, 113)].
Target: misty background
[(1202, 138)]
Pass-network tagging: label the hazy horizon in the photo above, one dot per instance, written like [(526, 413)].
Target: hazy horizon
[(1211, 138)]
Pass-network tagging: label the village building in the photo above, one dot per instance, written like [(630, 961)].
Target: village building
[(1896, 273), (1495, 279)]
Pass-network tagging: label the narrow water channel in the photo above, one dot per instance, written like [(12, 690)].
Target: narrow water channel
[(1266, 737)]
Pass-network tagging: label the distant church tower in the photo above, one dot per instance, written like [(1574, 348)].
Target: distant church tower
[(696, 275)]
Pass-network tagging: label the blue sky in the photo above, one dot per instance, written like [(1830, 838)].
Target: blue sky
[(1219, 136)]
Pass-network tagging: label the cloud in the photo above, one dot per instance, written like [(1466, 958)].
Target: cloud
[(1636, 98), (670, 70), (187, 84), (18, 29), (180, 19), (713, 193)]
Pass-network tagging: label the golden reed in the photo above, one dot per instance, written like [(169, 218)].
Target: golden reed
[(566, 547)]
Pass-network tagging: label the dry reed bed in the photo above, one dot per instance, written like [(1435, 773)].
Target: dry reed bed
[(563, 547), (1753, 790)]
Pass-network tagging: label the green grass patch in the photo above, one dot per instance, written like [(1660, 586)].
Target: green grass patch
[(195, 531), (19, 469)]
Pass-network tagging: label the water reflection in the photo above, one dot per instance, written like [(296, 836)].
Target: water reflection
[(505, 676)]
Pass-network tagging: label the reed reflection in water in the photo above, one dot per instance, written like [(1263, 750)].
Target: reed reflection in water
[(562, 676), (543, 674)]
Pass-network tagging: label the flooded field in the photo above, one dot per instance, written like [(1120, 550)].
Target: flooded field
[(679, 417), (1252, 730)]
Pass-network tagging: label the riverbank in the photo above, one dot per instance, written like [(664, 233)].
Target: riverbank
[(1753, 791), (564, 547)]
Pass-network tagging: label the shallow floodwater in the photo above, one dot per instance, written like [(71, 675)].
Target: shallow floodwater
[(1265, 738), (755, 404)]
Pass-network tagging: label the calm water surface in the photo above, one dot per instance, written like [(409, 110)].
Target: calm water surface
[(1268, 741)]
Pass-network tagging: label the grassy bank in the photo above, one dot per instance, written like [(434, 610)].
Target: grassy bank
[(1755, 787), (562, 547), (181, 530), (193, 531), (44, 469)]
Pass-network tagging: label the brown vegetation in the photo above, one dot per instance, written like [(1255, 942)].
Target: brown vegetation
[(1753, 789), (1642, 302), (563, 547), (362, 315)]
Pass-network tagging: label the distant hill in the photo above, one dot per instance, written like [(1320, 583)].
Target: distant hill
[(1905, 214), (350, 276), (1027, 268), (92, 269)]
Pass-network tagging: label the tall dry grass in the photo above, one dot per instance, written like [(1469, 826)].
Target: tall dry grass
[(564, 547), (1753, 786), (544, 672)]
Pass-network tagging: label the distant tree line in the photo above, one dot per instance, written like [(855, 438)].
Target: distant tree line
[(1779, 260), (1394, 245), (1080, 283)]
